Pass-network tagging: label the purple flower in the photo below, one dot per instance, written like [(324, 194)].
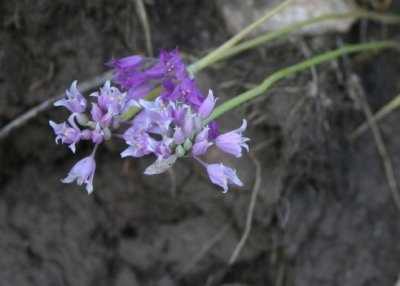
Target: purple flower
[(68, 133), (140, 91), (222, 175), (207, 105), (162, 148), (179, 136), (111, 98), (83, 172), (188, 123), (105, 120), (75, 101), (213, 129), (140, 143), (186, 91), (201, 142), (97, 134), (232, 142), (159, 114), (126, 64), (169, 64)]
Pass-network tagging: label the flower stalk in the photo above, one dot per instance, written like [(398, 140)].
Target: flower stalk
[(275, 77)]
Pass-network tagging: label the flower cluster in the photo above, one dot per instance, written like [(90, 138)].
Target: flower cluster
[(169, 127)]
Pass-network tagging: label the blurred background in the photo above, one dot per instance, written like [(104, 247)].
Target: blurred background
[(324, 212)]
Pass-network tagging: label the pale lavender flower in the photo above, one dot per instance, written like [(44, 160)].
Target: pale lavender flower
[(207, 105), (140, 143), (105, 120), (162, 148), (75, 102), (159, 114), (83, 172), (111, 98), (68, 132), (232, 142), (201, 142), (222, 175), (188, 123), (179, 136), (97, 135)]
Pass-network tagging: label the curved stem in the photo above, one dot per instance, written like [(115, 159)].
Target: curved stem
[(218, 53), (269, 81), (228, 49), (384, 18)]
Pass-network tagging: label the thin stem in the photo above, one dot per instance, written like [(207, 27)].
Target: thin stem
[(228, 49), (387, 109), (384, 18), (210, 58), (269, 81)]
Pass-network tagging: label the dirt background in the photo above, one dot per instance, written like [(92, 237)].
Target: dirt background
[(324, 214)]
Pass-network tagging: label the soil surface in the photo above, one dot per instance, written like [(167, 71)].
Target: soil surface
[(324, 214)]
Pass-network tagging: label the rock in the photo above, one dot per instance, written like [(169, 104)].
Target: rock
[(238, 14)]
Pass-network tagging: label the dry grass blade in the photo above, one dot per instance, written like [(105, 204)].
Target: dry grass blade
[(358, 92), (33, 112), (250, 212), (217, 237), (141, 10), (384, 111)]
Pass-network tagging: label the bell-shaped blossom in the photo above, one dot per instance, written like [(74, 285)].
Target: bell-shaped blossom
[(207, 105), (232, 142), (188, 124), (83, 172), (179, 136), (126, 64), (75, 102), (201, 142), (222, 175), (68, 132)]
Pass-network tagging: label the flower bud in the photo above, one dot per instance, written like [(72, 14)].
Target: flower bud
[(188, 144), (179, 151), (82, 119)]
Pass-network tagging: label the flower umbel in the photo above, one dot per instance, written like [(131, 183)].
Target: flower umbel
[(169, 127)]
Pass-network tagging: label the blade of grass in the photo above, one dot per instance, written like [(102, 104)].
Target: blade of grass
[(275, 77), (384, 111), (262, 39)]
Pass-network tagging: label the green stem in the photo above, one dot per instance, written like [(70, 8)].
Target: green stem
[(269, 81), (384, 18), (228, 49), (219, 52)]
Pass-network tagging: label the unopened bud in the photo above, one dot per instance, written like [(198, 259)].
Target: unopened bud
[(179, 151), (188, 144), (82, 119)]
